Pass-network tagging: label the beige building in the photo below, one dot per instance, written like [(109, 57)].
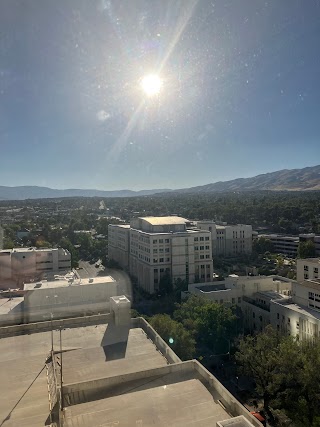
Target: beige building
[(300, 314), (22, 264), (308, 269), (228, 240), (152, 247)]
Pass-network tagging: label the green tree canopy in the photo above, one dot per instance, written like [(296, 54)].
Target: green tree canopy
[(175, 335), (306, 249), (213, 324)]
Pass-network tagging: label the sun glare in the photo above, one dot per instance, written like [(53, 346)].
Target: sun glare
[(151, 84)]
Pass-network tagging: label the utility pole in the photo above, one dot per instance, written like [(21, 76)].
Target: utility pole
[(61, 377)]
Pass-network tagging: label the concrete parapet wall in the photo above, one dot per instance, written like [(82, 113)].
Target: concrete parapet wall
[(162, 346), (73, 322), (90, 389), (232, 405)]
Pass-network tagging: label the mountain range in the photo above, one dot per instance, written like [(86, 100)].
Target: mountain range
[(305, 179)]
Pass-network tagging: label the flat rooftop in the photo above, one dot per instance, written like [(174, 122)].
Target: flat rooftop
[(64, 281), (164, 220), (127, 383), (8, 304), (301, 310), (158, 403)]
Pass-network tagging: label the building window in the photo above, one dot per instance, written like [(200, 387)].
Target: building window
[(306, 275), (155, 260), (201, 239), (278, 316), (196, 239), (201, 248), (207, 237), (167, 259), (253, 315), (161, 260), (155, 251), (288, 319), (202, 266), (161, 270), (167, 250), (306, 268), (155, 241), (207, 256), (196, 248), (166, 240), (316, 270), (207, 248), (155, 270), (155, 280), (160, 240), (201, 256), (239, 300)]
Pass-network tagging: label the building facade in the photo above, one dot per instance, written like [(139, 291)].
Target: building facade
[(151, 248), (308, 269), (22, 264), (288, 245), (228, 240)]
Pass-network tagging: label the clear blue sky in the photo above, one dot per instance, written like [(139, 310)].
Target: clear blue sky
[(240, 91)]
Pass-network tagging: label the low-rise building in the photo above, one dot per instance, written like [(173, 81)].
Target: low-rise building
[(288, 245), (228, 240), (22, 264), (252, 294)]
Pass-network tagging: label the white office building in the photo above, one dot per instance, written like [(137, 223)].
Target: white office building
[(151, 247), (22, 264), (308, 269), (228, 240)]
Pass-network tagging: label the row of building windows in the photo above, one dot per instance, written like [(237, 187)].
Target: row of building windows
[(161, 241), (201, 239), (207, 247)]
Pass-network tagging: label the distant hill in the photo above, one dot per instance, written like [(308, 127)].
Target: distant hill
[(34, 192), (305, 179)]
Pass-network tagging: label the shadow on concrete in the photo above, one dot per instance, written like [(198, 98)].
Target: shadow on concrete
[(114, 341), (17, 403)]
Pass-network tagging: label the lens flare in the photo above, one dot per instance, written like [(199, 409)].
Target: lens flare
[(151, 84)]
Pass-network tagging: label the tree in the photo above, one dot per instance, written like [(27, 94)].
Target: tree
[(212, 324), (66, 244), (271, 360), (306, 249), (165, 284), (262, 245), (174, 334)]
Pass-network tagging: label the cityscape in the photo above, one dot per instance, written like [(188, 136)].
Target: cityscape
[(159, 213)]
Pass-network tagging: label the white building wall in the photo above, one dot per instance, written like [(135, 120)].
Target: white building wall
[(229, 240), (308, 269)]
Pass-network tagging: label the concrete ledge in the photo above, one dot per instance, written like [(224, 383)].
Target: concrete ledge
[(162, 346), (90, 389), (73, 322)]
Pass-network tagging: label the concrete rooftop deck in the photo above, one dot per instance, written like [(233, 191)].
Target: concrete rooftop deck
[(156, 403), (23, 375)]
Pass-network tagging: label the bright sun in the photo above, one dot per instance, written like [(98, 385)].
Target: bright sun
[(151, 84)]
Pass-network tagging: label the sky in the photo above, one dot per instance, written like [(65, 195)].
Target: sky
[(239, 96)]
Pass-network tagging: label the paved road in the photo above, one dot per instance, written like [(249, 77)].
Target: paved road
[(88, 270)]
